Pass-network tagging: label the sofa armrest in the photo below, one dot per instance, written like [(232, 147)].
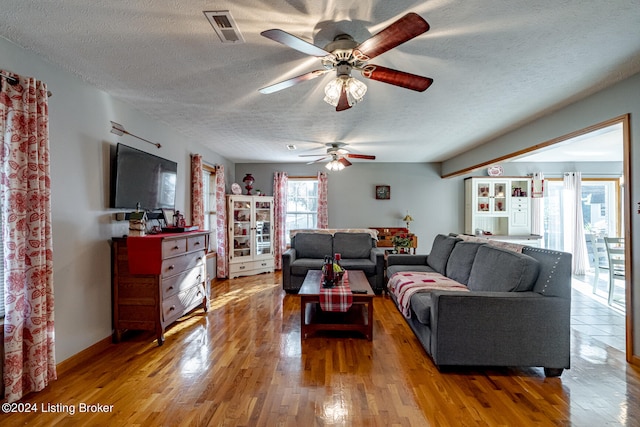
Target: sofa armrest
[(377, 257), (288, 257), (500, 328), (405, 259)]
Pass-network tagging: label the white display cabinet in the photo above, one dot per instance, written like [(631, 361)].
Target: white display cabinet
[(500, 205), (250, 235)]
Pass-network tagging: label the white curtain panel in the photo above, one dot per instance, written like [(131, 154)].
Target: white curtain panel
[(537, 210), (574, 240)]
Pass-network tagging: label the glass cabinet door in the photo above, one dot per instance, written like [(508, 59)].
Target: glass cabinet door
[(241, 229), (263, 222), (499, 200), (483, 196)]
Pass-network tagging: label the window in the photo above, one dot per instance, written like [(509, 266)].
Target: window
[(209, 194), (302, 204)]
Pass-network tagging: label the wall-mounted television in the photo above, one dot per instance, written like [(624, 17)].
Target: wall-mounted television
[(142, 179)]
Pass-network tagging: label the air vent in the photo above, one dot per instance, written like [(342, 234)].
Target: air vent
[(225, 26)]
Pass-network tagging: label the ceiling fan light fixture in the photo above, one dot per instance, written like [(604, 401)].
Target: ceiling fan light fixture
[(334, 165), (332, 91), (354, 88)]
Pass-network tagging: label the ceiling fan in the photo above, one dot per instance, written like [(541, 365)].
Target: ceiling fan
[(344, 54), (338, 155)]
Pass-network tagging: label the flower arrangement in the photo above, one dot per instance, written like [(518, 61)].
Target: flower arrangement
[(401, 240)]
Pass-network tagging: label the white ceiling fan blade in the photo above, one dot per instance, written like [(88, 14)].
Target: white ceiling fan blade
[(293, 81)]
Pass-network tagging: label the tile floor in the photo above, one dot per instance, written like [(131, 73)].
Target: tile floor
[(591, 314)]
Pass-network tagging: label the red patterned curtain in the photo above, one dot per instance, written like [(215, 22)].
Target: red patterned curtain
[(280, 180), (323, 208), (25, 190), (222, 260), (197, 187)]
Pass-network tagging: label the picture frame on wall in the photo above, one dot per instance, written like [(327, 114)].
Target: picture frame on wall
[(383, 192)]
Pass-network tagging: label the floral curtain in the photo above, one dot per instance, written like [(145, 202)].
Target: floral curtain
[(25, 190), (222, 260), (280, 182), (574, 240), (323, 209), (197, 187)]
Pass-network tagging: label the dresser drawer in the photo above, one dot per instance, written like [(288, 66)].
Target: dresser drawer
[(178, 264), (178, 283), (178, 304), (196, 243), (174, 247)]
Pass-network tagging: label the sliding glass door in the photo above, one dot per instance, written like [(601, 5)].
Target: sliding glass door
[(601, 210)]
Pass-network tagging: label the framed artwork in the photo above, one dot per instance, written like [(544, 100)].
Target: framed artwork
[(168, 216), (383, 192)]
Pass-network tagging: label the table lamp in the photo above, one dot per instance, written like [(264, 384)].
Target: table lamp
[(407, 218)]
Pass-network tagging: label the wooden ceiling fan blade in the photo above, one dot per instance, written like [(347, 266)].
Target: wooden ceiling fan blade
[(360, 156), (397, 78), (294, 42), (409, 26), (345, 162), (343, 102), (293, 81)]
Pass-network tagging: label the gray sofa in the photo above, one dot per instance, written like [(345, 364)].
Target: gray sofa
[(307, 252), (517, 312)]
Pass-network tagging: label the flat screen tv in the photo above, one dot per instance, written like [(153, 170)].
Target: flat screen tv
[(142, 179)]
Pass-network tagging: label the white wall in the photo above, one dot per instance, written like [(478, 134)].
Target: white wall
[(617, 100), (81, 142), (435, 204)]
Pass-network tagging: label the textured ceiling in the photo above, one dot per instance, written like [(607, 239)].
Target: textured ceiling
[(496, 65)]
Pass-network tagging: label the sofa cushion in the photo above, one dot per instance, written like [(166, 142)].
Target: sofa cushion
[(500, 270), (393, 269), (461, 260), (364, 264), (440, 251), (301, 266), (352, 245), (313, 245), (421, 307)]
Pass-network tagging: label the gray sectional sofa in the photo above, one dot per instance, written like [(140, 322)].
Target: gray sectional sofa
[(308, 249), (516, 313)]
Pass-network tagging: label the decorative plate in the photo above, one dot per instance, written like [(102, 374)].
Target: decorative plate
[(235, 188), (495, 170)]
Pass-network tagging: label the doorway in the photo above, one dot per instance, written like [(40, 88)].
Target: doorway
[(604, 198)]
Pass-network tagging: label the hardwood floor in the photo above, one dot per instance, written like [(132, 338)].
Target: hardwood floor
[(243, 364)]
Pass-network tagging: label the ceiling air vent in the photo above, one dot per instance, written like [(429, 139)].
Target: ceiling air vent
[(225, 26)]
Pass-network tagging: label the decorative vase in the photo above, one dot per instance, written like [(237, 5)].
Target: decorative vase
[(248, 181)]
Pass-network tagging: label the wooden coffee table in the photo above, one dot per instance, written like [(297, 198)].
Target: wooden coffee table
[(358, 318)]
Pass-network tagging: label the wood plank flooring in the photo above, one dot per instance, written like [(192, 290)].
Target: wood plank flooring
[(243, 364)]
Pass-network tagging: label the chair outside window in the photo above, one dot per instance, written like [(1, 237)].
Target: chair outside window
[(615, 254)]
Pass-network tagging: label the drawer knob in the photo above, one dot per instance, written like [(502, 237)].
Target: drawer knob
[(169, 288), (173, 307), (197, 243), (171, 267), (242, 267), (175, 248)]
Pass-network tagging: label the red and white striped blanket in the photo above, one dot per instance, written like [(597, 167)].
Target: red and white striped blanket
[(406, 283)]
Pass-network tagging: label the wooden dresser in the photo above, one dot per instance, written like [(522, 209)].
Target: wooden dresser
[(157, 279)]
